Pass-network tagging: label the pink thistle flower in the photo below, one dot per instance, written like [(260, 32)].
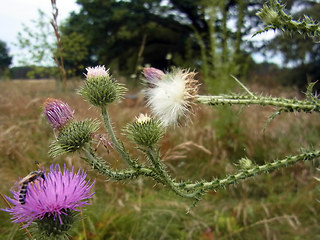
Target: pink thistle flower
[(57, 112), (98, 71), (58, 195), (152, 75)]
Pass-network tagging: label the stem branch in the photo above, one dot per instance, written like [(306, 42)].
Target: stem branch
[(289, 104), (120, 149)]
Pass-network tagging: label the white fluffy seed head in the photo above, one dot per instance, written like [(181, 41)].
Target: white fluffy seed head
[(171, 97)]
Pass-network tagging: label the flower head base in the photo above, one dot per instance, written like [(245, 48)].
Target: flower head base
[(57, 112), (145, 131), (99, 88), (98, 71), (74, 136), (171, 97), (52, 200), (152, 75)]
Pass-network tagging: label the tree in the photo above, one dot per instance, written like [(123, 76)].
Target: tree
[(42, 52), (116, 29), (5, 59), (37, 43), (75, 51), (184, 33)]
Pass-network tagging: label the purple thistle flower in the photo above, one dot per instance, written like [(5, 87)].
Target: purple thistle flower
[(57, 112), (55, 197)]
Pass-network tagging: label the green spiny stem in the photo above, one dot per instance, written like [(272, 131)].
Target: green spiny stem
[(120, 149), (168, 181), (289, 104), (220, 183), (104, 169)]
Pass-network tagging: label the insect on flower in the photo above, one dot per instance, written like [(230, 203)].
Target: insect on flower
[(53, 200), (30, 178)]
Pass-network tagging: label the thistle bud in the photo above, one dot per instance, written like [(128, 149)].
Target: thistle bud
[(99, 88), (145, 131), (58, 113), (74, 136), (245, 163), (270, 14), (152, 75)]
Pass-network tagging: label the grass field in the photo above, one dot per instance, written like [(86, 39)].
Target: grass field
[(279, 205)]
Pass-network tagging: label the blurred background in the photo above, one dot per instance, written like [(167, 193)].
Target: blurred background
[(47, 54)]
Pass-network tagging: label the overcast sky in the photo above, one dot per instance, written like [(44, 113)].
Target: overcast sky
[(13, 13)]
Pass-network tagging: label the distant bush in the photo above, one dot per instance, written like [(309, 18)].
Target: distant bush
[(32, 72)]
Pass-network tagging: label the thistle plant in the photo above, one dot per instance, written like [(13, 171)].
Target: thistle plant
[(171, 97)]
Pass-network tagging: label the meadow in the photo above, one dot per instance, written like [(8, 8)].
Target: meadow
[(282, 204)]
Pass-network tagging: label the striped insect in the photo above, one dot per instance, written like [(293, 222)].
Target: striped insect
[(30, 178)]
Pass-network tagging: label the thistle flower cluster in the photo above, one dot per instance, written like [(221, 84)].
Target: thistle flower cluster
[(170, 96), (52, 203)]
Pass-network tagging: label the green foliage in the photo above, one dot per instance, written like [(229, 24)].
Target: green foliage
[(75, 51), (181, 33), (39, 47), (5, 59), (37, 72), (115, 31), (37, 41)]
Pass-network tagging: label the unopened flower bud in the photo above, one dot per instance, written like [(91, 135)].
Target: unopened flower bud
[(152, 75), (57, 112), (74, 136), (145, 131), (99, 88), (245, 163)]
